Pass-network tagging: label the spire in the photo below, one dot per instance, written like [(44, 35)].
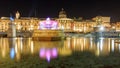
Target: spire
[(17, 15)]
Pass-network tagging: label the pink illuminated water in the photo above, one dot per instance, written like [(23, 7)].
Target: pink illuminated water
[(48, 24), (48, 53)]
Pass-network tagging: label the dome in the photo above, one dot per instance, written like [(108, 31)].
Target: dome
[(62, 14), (62, 11)]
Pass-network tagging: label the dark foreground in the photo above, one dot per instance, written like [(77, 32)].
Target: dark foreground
[(77, 60)]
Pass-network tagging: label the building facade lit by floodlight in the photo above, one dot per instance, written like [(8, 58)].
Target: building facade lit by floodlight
[(67, 24)]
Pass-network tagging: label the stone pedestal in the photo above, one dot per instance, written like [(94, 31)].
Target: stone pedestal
[(12, 30), (48, 35)]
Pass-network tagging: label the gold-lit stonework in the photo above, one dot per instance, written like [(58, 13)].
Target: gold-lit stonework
[(78, 25)]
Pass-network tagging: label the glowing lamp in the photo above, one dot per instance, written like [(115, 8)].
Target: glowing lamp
[(102, 28)]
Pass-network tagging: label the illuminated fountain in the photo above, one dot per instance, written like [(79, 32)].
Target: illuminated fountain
[(48, 24), (48, 31)]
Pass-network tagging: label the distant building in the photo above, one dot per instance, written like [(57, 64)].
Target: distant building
[(103, 19), (65, 23)]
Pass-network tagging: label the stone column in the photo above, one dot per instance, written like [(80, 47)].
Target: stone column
[(11, 30)]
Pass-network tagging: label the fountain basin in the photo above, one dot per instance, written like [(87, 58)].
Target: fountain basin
[(48, 35)]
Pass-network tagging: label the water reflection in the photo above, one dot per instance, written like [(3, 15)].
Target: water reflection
[(12, 45), (98, 46), (48, 53), (15, 48), (12, 53)]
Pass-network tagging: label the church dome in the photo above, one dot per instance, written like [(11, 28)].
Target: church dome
[(62, 11), (62, 14)]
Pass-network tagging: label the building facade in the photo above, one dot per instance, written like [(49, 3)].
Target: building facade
[(64, 23)]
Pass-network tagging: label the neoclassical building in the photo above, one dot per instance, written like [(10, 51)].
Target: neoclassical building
[(65, 23)]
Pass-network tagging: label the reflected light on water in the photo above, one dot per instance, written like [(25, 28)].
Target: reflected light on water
[(98, 49), (12, 53), (19, 47), (32, 47), (68, 43), (101, 44), (91, 42), (16, 49), (112, 45), (119, 47), (48, 53)]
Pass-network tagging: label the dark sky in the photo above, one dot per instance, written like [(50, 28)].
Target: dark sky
[(50, 8)]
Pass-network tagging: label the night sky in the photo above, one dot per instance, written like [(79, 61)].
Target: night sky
[(50, 8)]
